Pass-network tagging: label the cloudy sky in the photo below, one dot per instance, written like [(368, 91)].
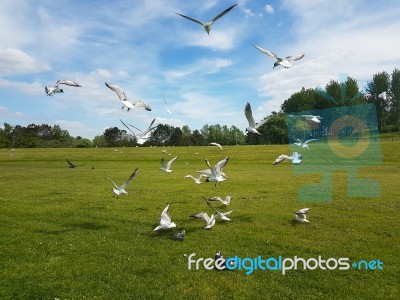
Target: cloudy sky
[(150, 51)]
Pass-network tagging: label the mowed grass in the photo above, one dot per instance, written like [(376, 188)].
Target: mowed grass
[(64, 235)]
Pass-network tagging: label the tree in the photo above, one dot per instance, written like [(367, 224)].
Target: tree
[(112, 136), (380, 83), (176, 137), (161, 135), (395, 99)]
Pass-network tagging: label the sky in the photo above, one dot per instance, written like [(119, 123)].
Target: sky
[(151, 52)]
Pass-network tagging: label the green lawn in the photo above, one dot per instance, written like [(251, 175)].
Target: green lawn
[(64, 235)]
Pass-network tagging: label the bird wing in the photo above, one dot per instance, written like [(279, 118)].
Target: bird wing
[(209, 204), (128, 128), (221, 164), (263, 121), (165, 216), (267, 52), (119, 91), (113, 183), (70, 163), (249, 115), (191, 19), (207, 163), (216, 144), (150, 128), (134, 173), (67, 82), (310, 140), (163, 163), (142, 103), (223, 13), (201, 215), (171, 161), (303, 211), (294, 57), (190, 176)]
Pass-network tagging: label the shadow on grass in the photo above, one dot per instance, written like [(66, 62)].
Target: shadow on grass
[(55, 231)]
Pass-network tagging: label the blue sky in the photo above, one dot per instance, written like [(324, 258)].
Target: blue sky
[(150, 51)]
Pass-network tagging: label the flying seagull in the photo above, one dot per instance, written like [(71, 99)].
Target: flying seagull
[(145, 135), (196, 180), (165, 220), (227, 200), (295, 158), (118, 190), (71, 165), (301, 215), (209, 220), (216, 171), (169, 110), (304, 144), (222, 215), (207, 25), (50, 91), (253, 126), (167, 166), (216, 144), (178, 236), (285, 62), (125, 102), (313, 118)]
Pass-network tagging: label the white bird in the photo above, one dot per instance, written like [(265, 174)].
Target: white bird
[(216, 171), (178, 236), (196, 180), (295, 158), (209, 220), (313, 118), (253, 126), (125, 102), (207, 25), (50, 91), (165, 220), (301, 215), (227, 200), (71, 165), (165, 151), (167, 166), (118, 190), (285, 62), (216, 144), (222, 215), (383, 95), (144, 135), (12, 151), (304, 144), (169, 110)]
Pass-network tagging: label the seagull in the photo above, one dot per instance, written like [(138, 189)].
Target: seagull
[(304, 144), (301, 215), (207, 25), (222, 215), (169, 110), (118, 190), (313, 118), (125, 102), (50, 91), (209, 220), (145, 135), (12, 151), (383, 95), (165, 151), (207, 173), (295, 158), (167, 166), (71, 165), (216, 174), (253, 126), (165, 220), (178, 236), (216, 144), (227, 200), (285, 62), (196, 180)]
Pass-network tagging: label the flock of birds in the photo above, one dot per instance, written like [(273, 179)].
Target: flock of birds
[(213, 173)]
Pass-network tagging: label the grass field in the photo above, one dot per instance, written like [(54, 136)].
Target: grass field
[(63, 234)]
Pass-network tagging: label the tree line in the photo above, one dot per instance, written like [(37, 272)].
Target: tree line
[(275, 130)]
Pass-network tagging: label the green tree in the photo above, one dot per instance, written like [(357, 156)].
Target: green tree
[(394, 99)]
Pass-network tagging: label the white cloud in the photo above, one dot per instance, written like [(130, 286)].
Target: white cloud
[(6, 113), (32, 89), (17, 62), (269, 9), (218, 39)]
